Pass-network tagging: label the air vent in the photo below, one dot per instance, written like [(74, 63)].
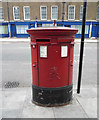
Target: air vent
[(11, 84)]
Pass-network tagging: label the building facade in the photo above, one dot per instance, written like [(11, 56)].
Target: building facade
[(17, 17)]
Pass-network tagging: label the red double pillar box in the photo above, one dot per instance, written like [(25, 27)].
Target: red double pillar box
[(52, 65)]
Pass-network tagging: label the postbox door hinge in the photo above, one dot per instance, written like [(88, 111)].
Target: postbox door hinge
[(35, 64), (72, 43), (71, 63)]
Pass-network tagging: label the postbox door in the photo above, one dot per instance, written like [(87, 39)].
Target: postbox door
[(34, 58), (71, 63), (53, 62)]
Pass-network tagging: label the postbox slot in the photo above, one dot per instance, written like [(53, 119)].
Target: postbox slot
[(42, 40)]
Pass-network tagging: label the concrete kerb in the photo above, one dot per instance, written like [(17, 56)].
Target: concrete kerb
[(14, 39), (28, 40), (87, 40)]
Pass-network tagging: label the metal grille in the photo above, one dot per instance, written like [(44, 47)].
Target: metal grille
[(11, 84)]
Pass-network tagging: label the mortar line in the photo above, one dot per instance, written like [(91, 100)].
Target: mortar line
[(53, 113), (82, 107), (24, 103)]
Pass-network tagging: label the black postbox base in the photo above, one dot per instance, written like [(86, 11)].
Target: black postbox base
[(51, 96)]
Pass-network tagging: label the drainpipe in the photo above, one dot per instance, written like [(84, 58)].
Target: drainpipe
[(8, 20), (63, 13), (54, 23), (90, 30), (36, 23)]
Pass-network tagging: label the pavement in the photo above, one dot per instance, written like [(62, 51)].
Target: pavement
[(17, 103), (15, 65)]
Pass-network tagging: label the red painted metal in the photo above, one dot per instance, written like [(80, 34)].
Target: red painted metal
[(54, 70)]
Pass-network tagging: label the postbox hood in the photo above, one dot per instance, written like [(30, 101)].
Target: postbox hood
[(52, 31)]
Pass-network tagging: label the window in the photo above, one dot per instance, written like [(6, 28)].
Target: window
[(59, 24), (3, 29), (98, 13), (1, 14), (32, 25), (26, 10), (81, 12), (16, 13), (79, 27), (43, 11), (47, 25), (71, 12), (86, 29), (21, 29), (54, 12), (39, 25)]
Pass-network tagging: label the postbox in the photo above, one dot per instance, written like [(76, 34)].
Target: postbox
[(52, 65)]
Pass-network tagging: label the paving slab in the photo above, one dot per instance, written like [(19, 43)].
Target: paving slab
[(0, 113), (13, 95), (30, 110), (88, 100), (33, 111), (17, 103), (12, 102), (89, 105), (0, 99), (0, 104), (11, 113), (72, 110), (86, 92)]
